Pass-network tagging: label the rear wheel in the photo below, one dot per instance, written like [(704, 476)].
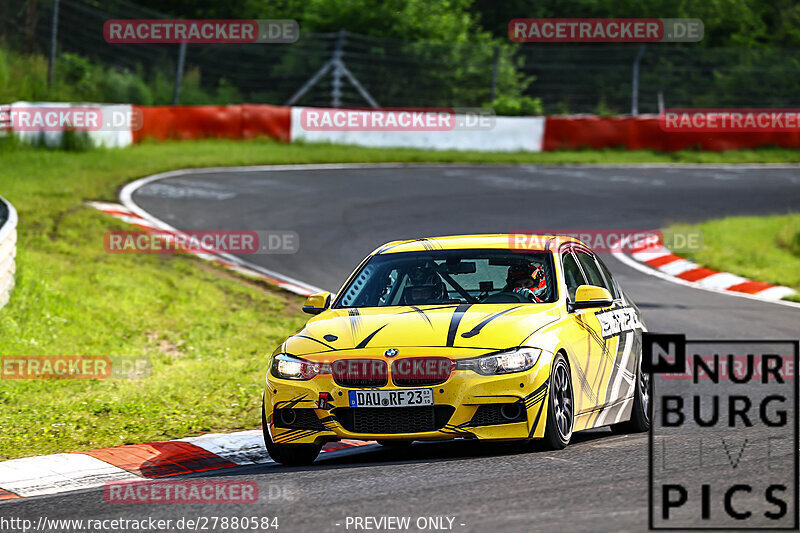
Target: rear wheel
[(560, 406), (288, 454), (640, 414)]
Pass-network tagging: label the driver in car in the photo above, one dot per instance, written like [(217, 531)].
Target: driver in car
[(527, 280)]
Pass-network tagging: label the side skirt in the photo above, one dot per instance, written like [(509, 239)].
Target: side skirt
[(617, 412)]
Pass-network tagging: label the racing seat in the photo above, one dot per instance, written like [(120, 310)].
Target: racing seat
[(422, 294)]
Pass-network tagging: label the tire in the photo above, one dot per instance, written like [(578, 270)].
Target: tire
[(640, 414), (288, 454), (560, 406)]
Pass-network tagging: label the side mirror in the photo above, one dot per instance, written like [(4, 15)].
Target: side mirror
[(589, 296), (317, 303)]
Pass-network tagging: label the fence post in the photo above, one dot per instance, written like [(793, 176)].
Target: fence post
[(53, 38), (495, 61), (179, 73), (635, 90), (336, 84)]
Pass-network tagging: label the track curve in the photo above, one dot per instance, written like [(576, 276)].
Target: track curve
[(343, 212)]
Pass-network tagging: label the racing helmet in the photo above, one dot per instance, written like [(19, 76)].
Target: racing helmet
[(521, 272)]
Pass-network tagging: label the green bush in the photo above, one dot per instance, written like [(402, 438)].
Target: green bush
[(517, 106), (77, 72), (23, 77), (124, 86), (193, 94)]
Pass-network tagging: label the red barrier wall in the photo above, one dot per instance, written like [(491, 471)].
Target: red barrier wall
[(641, 133), (645, 133), (198, 122)]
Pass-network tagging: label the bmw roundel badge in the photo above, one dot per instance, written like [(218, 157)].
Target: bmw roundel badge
[(391, 352)]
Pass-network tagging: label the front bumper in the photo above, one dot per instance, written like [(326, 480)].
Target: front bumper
[(467, 405)]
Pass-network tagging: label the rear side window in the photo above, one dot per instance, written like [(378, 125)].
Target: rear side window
[(592, 271), (572, 275)]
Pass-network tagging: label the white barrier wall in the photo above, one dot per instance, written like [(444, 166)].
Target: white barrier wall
[(504, 134), (465, 129), (114, 132), (8, 252)]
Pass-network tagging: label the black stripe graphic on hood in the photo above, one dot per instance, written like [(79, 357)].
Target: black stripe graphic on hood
[(363, 344), (421, 312), (477, 329), (455, 320)]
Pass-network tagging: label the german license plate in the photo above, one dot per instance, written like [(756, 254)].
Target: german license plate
[(391, 398)]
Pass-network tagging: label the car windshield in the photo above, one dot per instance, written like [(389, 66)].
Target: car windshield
[(451, 276)]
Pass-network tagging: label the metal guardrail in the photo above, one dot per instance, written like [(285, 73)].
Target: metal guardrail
[(8, 249)]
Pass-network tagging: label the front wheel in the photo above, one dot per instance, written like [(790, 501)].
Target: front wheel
[(560, 406), (288, 454)]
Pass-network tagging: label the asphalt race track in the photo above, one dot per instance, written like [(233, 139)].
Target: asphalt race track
[(599, 482)]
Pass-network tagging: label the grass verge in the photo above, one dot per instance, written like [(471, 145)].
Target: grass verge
[(760, 248), (205, 331)]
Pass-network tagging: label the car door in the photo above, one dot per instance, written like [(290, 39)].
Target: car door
[(608, 347), (623, 326), (585, 342)]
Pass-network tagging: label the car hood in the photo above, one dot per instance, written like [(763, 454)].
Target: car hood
[(480, 326)]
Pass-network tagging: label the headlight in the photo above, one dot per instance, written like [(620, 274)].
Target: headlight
[(289, 367), (517, 360)]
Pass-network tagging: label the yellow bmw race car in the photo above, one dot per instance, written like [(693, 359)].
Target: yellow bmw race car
[(470, 337)]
